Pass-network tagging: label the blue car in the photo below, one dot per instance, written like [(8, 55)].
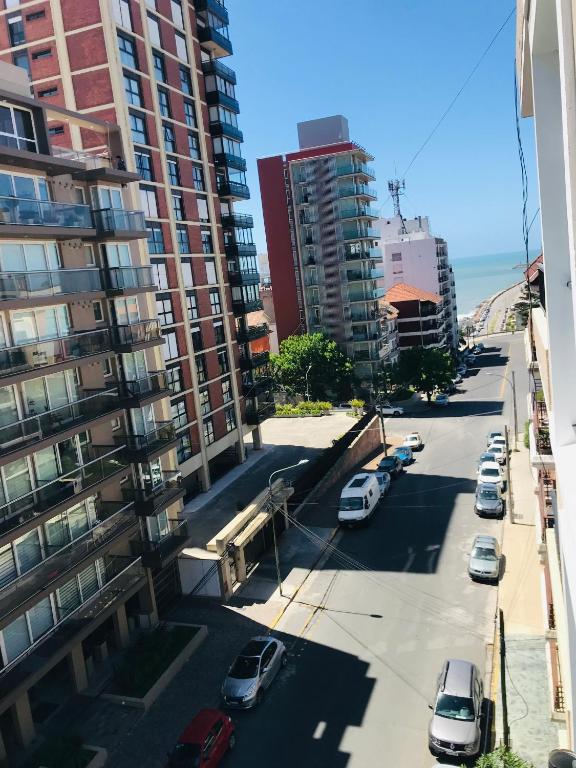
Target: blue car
[(404, 453)]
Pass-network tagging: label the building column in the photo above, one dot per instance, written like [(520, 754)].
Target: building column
[(147, 600), (240, 450), (121, 631), (77, 666), (257, 438), (23, 720), (205, 482)]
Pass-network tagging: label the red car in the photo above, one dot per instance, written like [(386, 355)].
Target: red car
[(205, 741)]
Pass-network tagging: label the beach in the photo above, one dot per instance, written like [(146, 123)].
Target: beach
[(490, 315)]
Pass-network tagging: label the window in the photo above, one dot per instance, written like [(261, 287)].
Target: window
[(16, 29), (177, 16), (169, 138), (148, 202), (164, 103), (173, 171), (219, 331), (184, 449), (183, 239), (52, 91), (190, 114), (178, 207), (45, 53), (88, 256), (143, 161), (215, 305), (186, 267), (207, 246), (396, 257), (209, 431), (132, 90), (174, 380), (230, 417), (192, 306), (98, 314), (154, 30), (107, 367), (181, 50), (170, 348), (155, 238), (201, 369), (193, 146), (164, 311), (198, 178), (223, 362), (159, 67), (21, 60), (34, 16), (197, 340), (179, 415), (57, 130), (204, 397), (160, 275), (121, 13), (226, 390), (127, 48), (138, 128), (185, 80), (210, 265)]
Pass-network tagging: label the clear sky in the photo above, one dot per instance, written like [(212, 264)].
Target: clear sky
[(392, 67)]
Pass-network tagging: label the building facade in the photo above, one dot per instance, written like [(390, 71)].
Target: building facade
[(414, 256), (154, 67), (420, 320), (90, 492), (545, 54), (325, 268)]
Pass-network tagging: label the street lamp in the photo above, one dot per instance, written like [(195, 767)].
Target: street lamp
[(307, 387), (276, 556), (512, 383)]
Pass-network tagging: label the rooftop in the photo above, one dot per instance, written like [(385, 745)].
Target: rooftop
[(405, 292)]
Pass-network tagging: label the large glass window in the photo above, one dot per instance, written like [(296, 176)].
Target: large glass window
[(208, 425), (16, 129), (183, 239), (143, 162), (138, 128), (127, 48), (210, 266), (204, 398), (230, 418), (173, 171), (226, 390), (223, 362), (192, 305), (207, 245), (177, 16), (164, 103), (160, 275), (190, 114), (215, 304), (181, 49), (39, 324), (219, 334), (148, 202), (178, 206), (155, 238), (165, 311), (159, 66), (184, 448), (193, 146), (170, 348), (175, 380), (21, 257), (179, 415), (132, 90), (121, 13), (16, 29), (154, 30), (201, 370), (198, 178), (169, 138), (185, 80)]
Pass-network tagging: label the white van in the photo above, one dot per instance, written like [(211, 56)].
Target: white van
[(358, 499)]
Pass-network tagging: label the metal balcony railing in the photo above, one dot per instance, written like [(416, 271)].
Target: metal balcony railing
[(129, 278), (39, 284), (154, 383), (237, 220), (253, 332), (141, 332), (163, 434)]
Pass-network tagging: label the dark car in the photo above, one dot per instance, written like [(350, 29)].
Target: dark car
[(204, 742), (390, 464), (489, 501)]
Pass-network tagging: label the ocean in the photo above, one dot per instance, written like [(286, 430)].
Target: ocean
[(479, 277)]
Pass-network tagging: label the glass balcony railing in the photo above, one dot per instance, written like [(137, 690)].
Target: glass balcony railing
[(228, 160), (33, 429), (215, 67), (40, 354), (129, 278), (45, 213), (114, 221), (358, 213), (46, 284), (358, 233), (257, 386), (154, 383), (255, 360), (240, 249), (155, 553), (221, 97), (151, 496), (233, 190), (141, 332), (215, 41), (357, 190), (366, 253), (214, 6), (257, 414), (237, 220), (161, 437), (244, 277), (221, 128), (350, 169), (63, 489), (253, 332), (245, 306)]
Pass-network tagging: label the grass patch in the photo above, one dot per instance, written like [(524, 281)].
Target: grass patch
[(148, 658), (305, 408), (65, 751), (527, 434)]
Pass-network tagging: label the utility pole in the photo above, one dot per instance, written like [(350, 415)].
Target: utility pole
[(515, 411), (505, 725), (508, 483), (383, 432)]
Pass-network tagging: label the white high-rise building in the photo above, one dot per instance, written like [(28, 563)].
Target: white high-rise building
[(414, 256)]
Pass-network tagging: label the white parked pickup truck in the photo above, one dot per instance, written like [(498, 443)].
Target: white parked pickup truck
[(389, 410)]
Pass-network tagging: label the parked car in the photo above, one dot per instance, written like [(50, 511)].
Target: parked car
[(414, 441), (253, 671), (461, 370), (484, 457), (404, 454), (484, 561), (457, 380), (488, 501), (204, 741), (392, 465), (359, 499), (490, 472), (455, 726), (499, 452), (385, 409), (480, 347), (441, 399), (499, 440), (491, 435), (384, 480)]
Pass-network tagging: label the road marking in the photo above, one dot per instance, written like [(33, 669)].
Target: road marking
[(504, 382), (319, 732)]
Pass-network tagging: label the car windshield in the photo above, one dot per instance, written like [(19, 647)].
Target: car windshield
[(489, 472), (455, 707), (489, 494), (388, 463), (351, 503), (245, 667), (401, 451), (483, 553), (186, 755)]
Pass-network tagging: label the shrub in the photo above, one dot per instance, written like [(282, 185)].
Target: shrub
[(527, 434)]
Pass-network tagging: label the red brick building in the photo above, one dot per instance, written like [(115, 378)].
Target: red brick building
[(420, 321)]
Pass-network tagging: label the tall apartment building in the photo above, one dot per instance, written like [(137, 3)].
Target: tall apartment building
[(413, 255), (90, 498), (154, 68), (545, 55), (325, 267)]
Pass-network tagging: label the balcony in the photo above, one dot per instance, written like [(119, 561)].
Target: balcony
[(244, 277), (237, 220), (215, 67), (228, 160), (366, 355), (220, 97), (146, 447), (358, 213), (92, 167), (139, 392), (357, 190), (220, 128), (213, 6), (240, 249), (115, 520), (25, 217), (16, 361), (254, 361), (68, 489), (233, 190), (215, 42), (43, 287), (257, 386), (129, 280), (156, 554), (118, 224), (351, 169), (367, 295), (153, 497), (139, 335), (245, 306), (359, 233), (260, 412), (252, 333), (367, 253), (14, 438)]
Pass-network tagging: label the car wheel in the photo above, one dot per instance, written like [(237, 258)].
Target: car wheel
[(284, 659), (396, 413), (232, 741)]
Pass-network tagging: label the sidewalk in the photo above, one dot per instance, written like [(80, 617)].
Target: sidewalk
[(533, 733)]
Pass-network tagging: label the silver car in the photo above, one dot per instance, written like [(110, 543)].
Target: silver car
[(253, 672), (384, 482), (488, 501), (484, 562), (455, 726)]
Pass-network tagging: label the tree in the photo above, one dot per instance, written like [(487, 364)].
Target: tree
[(425, 369), (314, 366), (502, 758)]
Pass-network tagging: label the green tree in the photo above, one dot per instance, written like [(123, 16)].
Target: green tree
[(502, 758), (314, 366), (425, 369)]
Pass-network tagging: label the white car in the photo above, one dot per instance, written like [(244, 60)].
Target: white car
[(490, 472), (389, 410), (499, 440), (499, 452), (493, 435), (384, 482), (413, 441)]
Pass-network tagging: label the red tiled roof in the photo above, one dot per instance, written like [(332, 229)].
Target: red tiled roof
[(405, 292), (532, 270)]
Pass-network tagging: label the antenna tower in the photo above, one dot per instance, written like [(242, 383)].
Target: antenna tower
[(396, 188)]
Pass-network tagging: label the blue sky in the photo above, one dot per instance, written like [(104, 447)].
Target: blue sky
[(392, 68)]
